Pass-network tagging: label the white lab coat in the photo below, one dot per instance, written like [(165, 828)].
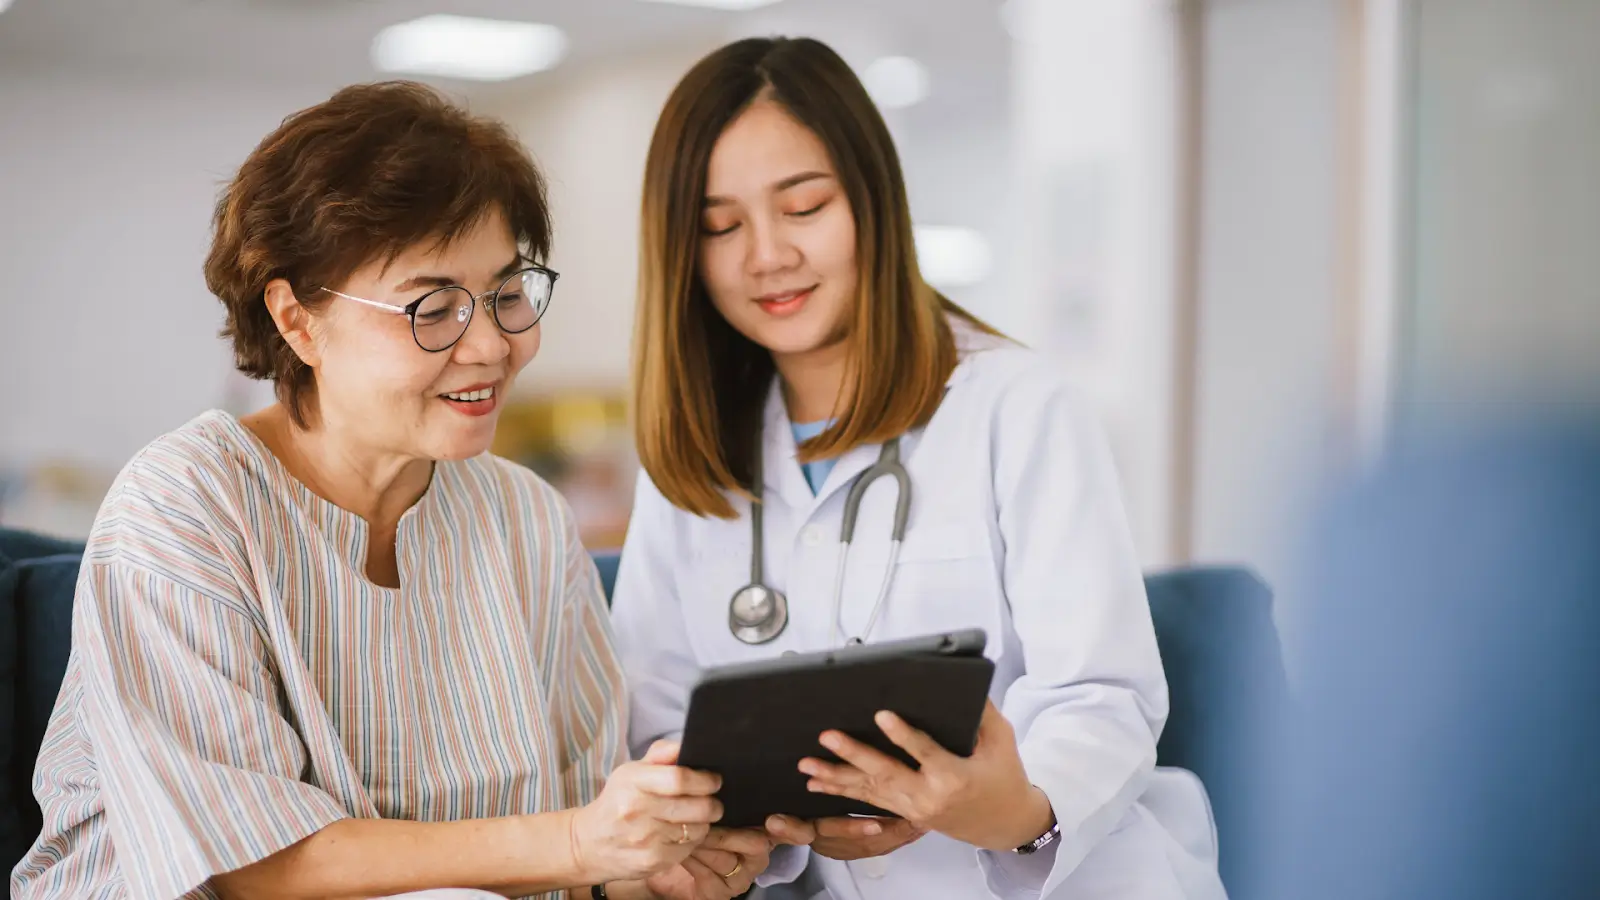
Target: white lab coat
[(1016, 527)]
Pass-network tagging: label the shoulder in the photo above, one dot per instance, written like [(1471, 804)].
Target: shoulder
[(176, 506), (193, 462), (1011, 379), (1027, 404)]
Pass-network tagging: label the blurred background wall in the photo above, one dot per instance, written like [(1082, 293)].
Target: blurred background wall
[(1263, 235)]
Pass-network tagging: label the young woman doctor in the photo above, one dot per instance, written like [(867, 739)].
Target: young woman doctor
[(786, 351)]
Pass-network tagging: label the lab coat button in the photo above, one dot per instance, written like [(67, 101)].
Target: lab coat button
[(812, 535), (874, 867)]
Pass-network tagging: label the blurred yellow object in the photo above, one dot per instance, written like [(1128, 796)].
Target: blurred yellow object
[(580, 442), (73, 482), (568, 422)]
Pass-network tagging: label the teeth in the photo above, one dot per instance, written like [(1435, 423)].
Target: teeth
[(469, 396)]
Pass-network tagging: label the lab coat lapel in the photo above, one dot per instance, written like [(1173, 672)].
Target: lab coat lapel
[(779, 468), (783, 473), (853, 463), (862, 458)]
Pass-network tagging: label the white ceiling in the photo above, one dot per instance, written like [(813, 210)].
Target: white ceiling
[(325, 42)]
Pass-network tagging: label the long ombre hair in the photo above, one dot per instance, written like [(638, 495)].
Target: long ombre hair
[(699, 386)]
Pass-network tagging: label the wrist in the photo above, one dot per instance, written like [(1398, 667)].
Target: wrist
[(533, 854), (1034, 816), (578, 867)]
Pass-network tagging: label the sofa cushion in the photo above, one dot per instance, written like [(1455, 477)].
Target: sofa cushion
[(1228, 695), (13, 835), (45, 588), (38, 576)]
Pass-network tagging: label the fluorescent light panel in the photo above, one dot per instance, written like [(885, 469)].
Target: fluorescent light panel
[(951, 257), (468, 48), (896, 82)]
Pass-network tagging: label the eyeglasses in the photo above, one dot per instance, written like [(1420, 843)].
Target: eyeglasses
[(440, 317)]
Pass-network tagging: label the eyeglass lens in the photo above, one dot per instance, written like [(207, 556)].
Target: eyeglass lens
[(443, 315)]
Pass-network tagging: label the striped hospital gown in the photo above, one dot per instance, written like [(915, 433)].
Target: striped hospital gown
[(237, 684)]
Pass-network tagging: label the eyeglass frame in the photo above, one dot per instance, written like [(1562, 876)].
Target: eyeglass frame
[(410, 309)]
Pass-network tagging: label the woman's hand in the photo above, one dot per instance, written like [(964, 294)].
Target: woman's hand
[(845, 837), (985, 800), (649, 817), (724, 866)]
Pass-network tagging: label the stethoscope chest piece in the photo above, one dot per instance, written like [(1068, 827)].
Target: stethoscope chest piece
[(757, 614)]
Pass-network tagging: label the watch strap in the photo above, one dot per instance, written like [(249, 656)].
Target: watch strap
[(1042, 841)]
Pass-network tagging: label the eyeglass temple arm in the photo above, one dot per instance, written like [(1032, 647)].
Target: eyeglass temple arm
[(389, 307)]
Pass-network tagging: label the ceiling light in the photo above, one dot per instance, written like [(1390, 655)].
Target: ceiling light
[(473, 49), (5, 5), (718, 4), (896, 82), (952, 257)]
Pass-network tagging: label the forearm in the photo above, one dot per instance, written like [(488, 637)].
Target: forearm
[(514, 856)]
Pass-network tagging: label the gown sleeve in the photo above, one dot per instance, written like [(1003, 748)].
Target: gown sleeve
[(199, 768)]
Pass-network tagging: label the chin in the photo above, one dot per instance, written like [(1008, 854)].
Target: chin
[(464, 444), (796, 338)]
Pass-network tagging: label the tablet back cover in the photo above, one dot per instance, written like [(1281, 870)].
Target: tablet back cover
[(753, 729)]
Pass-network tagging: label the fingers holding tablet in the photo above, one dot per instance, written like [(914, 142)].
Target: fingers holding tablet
[(650, 815), (851, 837)]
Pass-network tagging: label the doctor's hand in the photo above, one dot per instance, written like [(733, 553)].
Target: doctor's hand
[(845, 837), (649, 817), (985, 800), (724, 866)]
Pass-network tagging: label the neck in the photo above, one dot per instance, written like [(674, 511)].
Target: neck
[(377, 486), (813, 382)]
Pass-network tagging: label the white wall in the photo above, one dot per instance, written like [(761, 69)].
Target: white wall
[(1094, 160), (1267, 339), (962, 177), (589, 128), (106, 190), (1505, 295)]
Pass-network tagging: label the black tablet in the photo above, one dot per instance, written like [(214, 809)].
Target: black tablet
[(752, 723)]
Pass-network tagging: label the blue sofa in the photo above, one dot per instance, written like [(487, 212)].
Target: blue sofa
[(1214, 627)]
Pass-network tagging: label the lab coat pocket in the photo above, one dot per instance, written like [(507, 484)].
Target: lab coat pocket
[(946, 579)]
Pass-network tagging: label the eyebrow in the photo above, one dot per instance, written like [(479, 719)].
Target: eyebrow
[(439, 281), (779, 187)]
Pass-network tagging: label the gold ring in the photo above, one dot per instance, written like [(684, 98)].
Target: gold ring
[(736, 867), (685, 838)]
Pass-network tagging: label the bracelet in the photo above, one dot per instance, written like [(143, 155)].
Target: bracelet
[(598, 892), (1042, 841)]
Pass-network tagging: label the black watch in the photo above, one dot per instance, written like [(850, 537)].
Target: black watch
[(598, 892), (1042, 841)]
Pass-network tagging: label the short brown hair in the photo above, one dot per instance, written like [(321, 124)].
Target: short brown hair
[(699, 386), (375, 169)]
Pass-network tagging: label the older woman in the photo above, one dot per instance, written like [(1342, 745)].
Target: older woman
[(334, 648)]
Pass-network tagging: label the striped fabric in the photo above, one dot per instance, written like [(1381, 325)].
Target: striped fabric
[(237, 684)]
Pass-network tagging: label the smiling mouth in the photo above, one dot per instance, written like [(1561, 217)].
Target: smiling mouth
[(476, 396), (785, 301)]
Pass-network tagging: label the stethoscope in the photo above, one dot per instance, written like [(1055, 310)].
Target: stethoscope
[(758, 614)]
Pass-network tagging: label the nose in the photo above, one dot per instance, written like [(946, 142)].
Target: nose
[(483, 343), (770, 249)]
